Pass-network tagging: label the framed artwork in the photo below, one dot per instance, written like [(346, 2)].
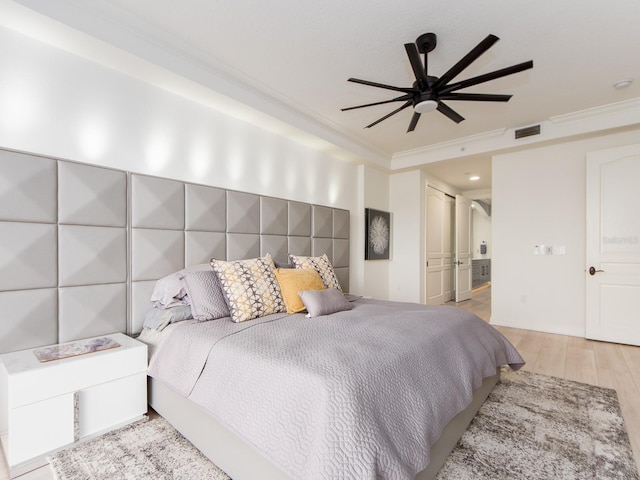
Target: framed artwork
[(377, 234)]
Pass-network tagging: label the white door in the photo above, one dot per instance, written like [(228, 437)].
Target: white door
[(463, 248), (449, 233), (613, 245), (435, 247)]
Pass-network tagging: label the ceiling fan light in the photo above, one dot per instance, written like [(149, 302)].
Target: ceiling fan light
[(425, 106)]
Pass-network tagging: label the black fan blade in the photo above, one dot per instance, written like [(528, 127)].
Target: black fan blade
[(389, 114), (380, 85), (397, 99), (467, 60), (476, 97), (487, 77), (416, 64), (414, 122), (449, 112)]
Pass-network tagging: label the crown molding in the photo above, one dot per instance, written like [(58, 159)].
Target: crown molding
[(591, 121)]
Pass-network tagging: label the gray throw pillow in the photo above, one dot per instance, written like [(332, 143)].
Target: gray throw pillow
[(324, 302), (158, 318), (205, 295)]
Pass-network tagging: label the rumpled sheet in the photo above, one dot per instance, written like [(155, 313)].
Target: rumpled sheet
[(360, 394)]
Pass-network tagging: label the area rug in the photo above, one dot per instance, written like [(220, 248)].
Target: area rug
[(144, 450), (531, 427), (539, 427)]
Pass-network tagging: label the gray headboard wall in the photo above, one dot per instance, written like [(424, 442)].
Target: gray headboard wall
[(82, 246)]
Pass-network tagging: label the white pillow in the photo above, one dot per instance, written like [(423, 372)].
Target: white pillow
[(169, 290)]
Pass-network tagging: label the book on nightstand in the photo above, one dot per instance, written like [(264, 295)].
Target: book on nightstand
[(66, 350)]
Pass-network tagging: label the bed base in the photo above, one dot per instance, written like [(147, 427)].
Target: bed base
[(240, 461)]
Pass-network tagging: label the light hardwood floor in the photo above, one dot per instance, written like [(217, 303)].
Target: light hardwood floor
[(598, 363), (604, 364)]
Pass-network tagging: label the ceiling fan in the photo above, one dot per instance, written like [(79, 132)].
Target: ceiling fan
[(428, 92)]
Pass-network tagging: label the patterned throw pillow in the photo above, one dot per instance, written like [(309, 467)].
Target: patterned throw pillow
[(250, 286), (294, 280), (323, 267)]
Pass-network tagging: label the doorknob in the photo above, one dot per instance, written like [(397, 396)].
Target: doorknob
[(593, 271)]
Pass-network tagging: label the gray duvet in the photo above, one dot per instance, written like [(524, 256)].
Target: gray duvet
[(360, 394)]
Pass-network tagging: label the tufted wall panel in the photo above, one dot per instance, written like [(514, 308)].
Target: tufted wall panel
[(81, 246), (63, 250), (223, 224)]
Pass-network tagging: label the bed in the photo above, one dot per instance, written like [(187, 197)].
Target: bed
[(379, 390)]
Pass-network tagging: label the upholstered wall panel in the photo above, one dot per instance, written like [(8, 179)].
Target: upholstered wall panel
[(322, 221), (92, 255), (140, 295), (28, 188), (28, 255), (276, 245), (321, 246), (341, 224), (92, 196), (300, 246), (82, 246), (92, 310), (340, 252), (240, 245), (274, 214), (30, 319), (155, 253), (200, 247), (157, 203), (299, 219), (243, 212), (206, 208), (343, 277)]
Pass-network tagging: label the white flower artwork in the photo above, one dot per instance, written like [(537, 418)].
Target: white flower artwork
[(378, 234)]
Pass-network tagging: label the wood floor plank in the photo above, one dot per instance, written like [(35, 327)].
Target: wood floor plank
[(580, 365)]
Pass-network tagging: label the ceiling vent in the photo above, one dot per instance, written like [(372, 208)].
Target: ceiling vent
[(528, 131)]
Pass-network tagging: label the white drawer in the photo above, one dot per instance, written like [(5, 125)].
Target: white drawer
[(113, 403), (40, 427)]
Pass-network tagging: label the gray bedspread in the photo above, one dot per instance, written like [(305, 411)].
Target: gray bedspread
[(360, 394)]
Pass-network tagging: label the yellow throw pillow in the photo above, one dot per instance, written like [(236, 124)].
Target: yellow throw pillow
[(294, 280)]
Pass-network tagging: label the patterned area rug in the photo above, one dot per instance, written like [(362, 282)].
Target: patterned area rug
[(142, 450), (539, 427), (531, 427)]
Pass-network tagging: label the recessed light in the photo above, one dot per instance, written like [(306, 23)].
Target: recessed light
[(623, 83), (474, 178)]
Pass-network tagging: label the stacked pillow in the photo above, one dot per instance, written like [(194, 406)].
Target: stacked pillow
[(246, 289), (322, 265), (295, 281), (250, 287)]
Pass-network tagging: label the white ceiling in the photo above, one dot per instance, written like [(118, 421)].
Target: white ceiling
[(297, 55)]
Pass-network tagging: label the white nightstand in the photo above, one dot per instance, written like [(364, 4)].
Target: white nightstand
[(46, 406)]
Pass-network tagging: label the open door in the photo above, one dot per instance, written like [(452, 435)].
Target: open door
[(463, 248), (440, 213), (613, 245)]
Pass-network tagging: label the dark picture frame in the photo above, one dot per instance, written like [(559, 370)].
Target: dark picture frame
[(377, 234)]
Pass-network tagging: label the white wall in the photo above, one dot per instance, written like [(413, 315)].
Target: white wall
[(539, 198), (57, 104), (407, 191), (375, 194)]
